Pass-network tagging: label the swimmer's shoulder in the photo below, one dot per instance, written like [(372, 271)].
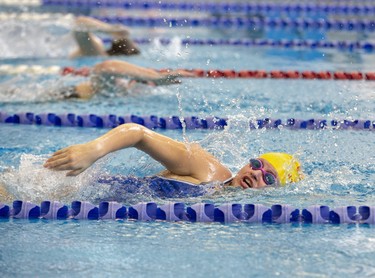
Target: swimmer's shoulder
[(214, 170)]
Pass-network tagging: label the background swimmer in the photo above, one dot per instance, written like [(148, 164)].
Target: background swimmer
[(111, 75), (183, 161), (109, 78), (90, 44)]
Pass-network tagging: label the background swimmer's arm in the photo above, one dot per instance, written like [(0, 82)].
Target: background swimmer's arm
[(88, 43), (123, 69), (170, 77), (177, 157), (89, 24)]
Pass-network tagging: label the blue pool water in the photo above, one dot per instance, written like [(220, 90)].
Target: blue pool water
[(339, 164), (139, 249)]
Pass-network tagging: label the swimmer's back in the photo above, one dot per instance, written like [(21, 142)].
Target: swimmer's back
[(154, 186)]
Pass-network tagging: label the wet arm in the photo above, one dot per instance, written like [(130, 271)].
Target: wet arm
[(89, 24), (174, 155), (138, 73), (88, 43)]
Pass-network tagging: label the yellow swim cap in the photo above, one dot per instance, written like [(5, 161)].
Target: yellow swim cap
[(287, 167)]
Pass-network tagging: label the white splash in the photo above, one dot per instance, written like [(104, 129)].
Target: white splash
[(29, 38), (32, 182), (28, 88), (174, 50)]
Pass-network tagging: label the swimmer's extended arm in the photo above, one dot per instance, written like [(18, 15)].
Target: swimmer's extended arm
[(179, 158), (89, 24), (123, 69), (88, 43)]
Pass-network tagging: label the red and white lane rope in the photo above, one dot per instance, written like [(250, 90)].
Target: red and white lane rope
[(203, 73)]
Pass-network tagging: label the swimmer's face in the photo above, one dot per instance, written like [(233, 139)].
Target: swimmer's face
[(248, 177)]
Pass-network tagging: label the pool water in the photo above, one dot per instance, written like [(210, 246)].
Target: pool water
[(141, 249), (338, 164)]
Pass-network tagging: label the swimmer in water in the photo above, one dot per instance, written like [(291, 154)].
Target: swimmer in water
[(90, 44), (183, 162), (121, 75)]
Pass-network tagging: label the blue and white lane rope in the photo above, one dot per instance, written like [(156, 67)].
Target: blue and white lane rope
[(174, 122), (248, 42), (244, 22), (212, 22), (21, 3), (225, 7), (200, 212)]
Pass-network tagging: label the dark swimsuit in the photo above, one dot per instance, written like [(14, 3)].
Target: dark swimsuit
[(155, 186), (124, 187)]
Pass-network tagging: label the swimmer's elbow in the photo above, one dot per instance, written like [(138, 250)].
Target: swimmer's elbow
[(134, 127), (135, 131)]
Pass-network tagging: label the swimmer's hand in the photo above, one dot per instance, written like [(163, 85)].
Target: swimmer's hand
[(76, 158), (169, 77), (178, 73), (133, 82)]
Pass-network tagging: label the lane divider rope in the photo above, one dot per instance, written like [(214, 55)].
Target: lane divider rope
[(201, 73), (200, 212), (244, 22), (286, 43), (350, 45), (174, 122), (289, 8), (248, 42), (212, 22), (21, 3), (5, 16)]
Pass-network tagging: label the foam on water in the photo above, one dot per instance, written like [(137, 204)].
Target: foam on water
[(31, 181), (172, 51), (40, 38)]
